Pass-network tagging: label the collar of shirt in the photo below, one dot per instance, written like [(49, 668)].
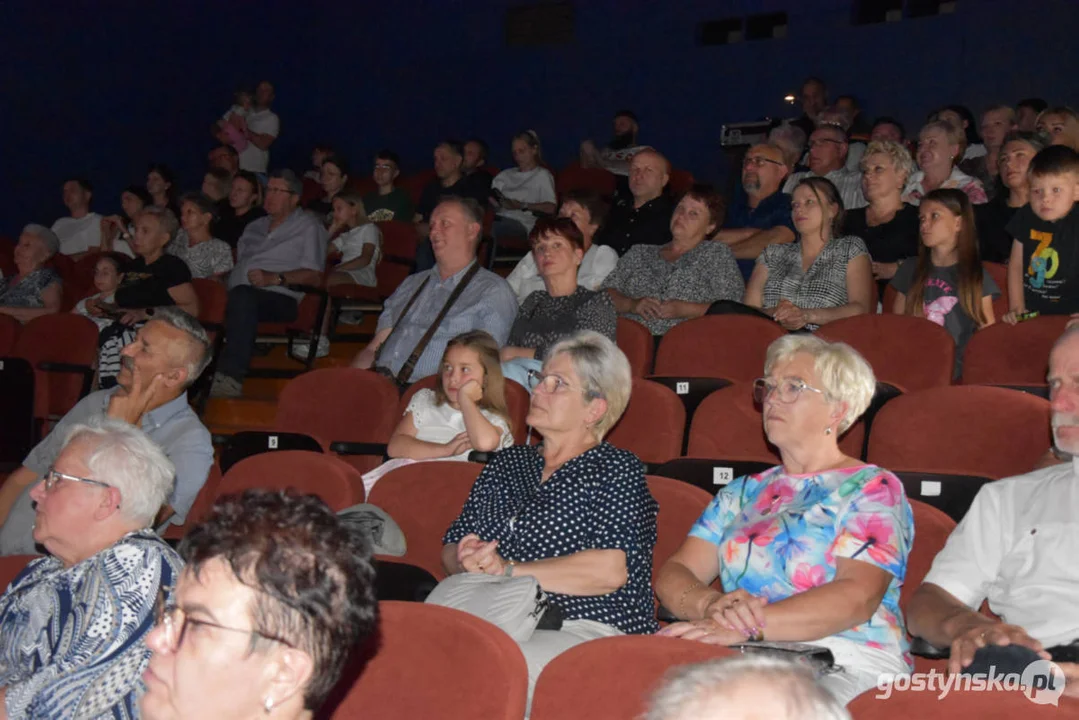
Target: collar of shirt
[(151, 419)]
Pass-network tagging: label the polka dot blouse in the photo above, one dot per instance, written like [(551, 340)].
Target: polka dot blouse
[(598, 500)]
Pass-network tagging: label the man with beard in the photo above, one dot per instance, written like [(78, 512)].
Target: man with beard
[(168, 355), (618, 153), (760, 214)]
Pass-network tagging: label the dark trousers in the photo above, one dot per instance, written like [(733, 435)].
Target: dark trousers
[(248, 306)]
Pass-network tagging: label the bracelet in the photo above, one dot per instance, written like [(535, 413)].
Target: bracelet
[(682, 598)]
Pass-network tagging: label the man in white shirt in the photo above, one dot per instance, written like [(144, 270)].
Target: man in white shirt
[(80, 231), (828, 149), (262, 129), (1017, 548)]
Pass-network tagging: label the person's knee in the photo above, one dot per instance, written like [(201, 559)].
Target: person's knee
[(243, 301)]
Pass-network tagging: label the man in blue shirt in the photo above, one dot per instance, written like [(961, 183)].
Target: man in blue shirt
[(487, 302), (760, 214)]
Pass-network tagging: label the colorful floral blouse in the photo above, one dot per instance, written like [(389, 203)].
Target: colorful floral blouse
[(959, 180), (779, 534)]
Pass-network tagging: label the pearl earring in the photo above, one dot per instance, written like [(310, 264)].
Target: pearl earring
[(827, 431), (267, 705)]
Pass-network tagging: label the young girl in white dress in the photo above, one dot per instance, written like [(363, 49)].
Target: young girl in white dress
[(466, 411), (357, 239)]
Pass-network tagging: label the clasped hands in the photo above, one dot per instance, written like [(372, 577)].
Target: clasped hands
[(476, 556), (790, 316), (729, 618), (653, 309)]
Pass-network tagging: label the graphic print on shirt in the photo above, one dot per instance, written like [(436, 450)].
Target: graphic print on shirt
[(938, 310), (1044, 261)]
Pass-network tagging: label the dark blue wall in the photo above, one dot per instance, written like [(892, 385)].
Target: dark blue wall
[(103, 88)]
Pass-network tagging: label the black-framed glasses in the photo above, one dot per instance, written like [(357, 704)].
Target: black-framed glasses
[(785, 391), (174, 622), (53, 476), (759, 161)]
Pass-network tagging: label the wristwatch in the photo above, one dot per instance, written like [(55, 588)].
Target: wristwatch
[(508, 572)]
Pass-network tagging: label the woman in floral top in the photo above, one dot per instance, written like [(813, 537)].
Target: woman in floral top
[(814, 550), (205, 255), (939, 145)]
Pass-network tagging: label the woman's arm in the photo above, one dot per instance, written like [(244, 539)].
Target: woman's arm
[(684, 309), (586, 572), (754, 296), (859, 295), (547, 208), (51, 297), (404, 443), (622, 303), (899, 305), (362, 261), (1016, 298), (987, 310), (511, 352), (682, 585), (185, 298), (483, 435)]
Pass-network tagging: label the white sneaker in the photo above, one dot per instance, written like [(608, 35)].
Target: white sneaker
[(300, 349), (350, 317)]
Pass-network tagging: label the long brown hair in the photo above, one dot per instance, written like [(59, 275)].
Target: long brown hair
[(970, 262), (494, 384)]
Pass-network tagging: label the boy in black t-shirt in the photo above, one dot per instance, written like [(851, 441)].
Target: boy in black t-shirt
[(1043, 273)]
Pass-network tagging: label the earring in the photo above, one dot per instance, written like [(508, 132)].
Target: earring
[(827, 431), (267, 705)]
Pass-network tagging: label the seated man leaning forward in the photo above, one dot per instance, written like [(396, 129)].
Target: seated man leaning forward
[(1016, 549), (168, 354), (761, 214), (288, 247), (72, 624), (813, 550), (477, 299)]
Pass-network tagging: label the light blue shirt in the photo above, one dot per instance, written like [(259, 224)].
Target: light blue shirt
[(487, 303), (299, 243)]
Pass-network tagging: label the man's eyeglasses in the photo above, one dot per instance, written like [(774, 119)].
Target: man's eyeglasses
[(758, 162), (53, 476), (174, 622), (786, 391)]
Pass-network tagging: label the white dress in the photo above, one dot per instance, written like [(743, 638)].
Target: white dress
[(351, 245), (436, 424)]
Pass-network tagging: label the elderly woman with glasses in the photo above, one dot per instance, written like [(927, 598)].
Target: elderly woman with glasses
[(72, 624), (574, 512), (275, 596), (34, 289), (813, 550)]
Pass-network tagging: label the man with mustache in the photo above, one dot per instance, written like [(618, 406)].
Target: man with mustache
[(1016, 548), (760, 215), (618, 153), (168, 355)]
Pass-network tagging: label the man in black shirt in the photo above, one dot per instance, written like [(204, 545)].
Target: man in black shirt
[(449, 181), (644, 218), (475, 168)]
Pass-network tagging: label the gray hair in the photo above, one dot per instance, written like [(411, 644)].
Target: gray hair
[(845, 376), (200, 355), (604, 373), (166, 219), (472, 210), (690, 692), (900, 156), (47, 237), (954, 134), (791, 139), (295, 184), (124, 457)]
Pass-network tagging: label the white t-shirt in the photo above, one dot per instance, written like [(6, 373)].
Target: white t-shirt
[(77, 235), (531, 186), (597, 264), (351, 245), (262, 122), (1017, 547)]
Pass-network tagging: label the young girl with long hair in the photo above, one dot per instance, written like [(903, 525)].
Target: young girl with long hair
[(357, 239)]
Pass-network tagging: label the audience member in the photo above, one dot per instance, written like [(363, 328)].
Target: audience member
[(525, 517), (562, 308), (997, 122), (945, 284), (117, 231), (848, 104), (961, 117), (356, 238), (161, 184), (1061, 124), (448, 182), (939, 146), (455, 296), (388, 202), (224, 157), (521, 193), (216, 184), (1042, 273), (840, 117), (474, 164), (761, 213), (288, 247), (245, 206), (834, 584), (319, 153), (588, 211), (204, 255), (617, 155), (108, 272), (261, 129), (72, 624), (466, 411), (887, 225), (888, 128), (231, 128), (276, 595), (168, 355), (333, 179), (1027, 112), (80, 231), (791, 139), (822, 276), (749, 687), (827, 159), (659, 286), (644, 218), (35, 289), (1007, 551), (992, 218), (813, 98)]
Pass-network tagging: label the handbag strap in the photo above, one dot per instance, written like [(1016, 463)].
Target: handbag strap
[(410, 364), (397, 324)]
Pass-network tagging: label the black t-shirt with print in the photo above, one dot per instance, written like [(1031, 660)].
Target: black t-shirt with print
[(1050, 261), (148, 285)]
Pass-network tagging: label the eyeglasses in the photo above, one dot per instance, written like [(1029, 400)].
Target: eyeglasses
[(550, 384), (53, 476), (786, 391), (286, 191), (174, 622), (758, 162)]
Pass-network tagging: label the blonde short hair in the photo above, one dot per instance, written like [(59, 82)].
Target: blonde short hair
[(955, 135), (900, 156), (844, 374), (604, 373)]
